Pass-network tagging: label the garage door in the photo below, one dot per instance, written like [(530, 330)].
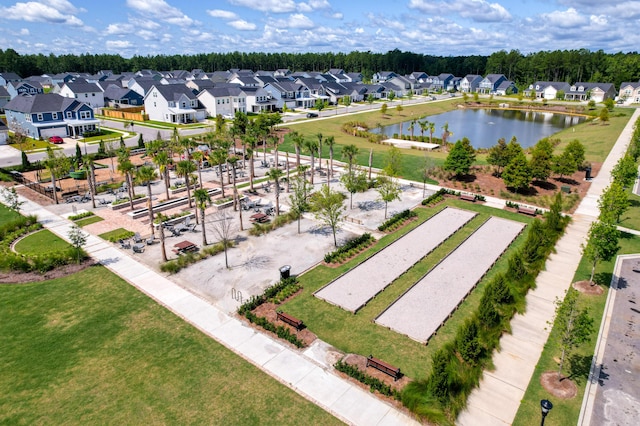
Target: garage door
[(53, 131)]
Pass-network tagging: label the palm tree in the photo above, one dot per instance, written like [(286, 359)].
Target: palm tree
[(144, 176), (350, 152), (412, 126), (161, 159), (275, 174), (186, 144), (319, 136), (198, 156), (203, 199), (312, 146), (220, 156), (184, 169), (432, 128), (445, 134), (298, 141), (87, 163), (330, 141), (423, 126), (126, 167)]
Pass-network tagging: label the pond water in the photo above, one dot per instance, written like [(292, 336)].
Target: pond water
[(483, 127)]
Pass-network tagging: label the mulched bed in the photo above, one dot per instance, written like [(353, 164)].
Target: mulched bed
[(360, 361), (336, 264), (268, 310), (586, 287), (29, 277), (563, 389)]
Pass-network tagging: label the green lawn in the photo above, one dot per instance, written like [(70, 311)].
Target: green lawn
[(106, 136), (116, 234), (598, 139), (6, 214), (566, 412), (91, 349), (41, 242), (358, 334), (631, 218), (88, 220)]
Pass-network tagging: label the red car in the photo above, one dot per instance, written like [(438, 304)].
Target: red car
[(56, 139)]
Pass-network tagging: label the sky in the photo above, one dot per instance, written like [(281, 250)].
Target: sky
[(433, 27)]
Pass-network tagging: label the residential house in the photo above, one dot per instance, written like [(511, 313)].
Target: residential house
[(389, 87), (84, 91), (354, 77), (590, 91), (142, 85), (490, 83), (258, 100), (291, 94), (58, 79), (403, 83), (199, 85), (356, 91), (547, 89), (17, 88), (44, 115), (5, 97), (43, 80), (382, 76), (224, 101), (418, 76), (470, 83), (316, 90), (9, 77), (173, 103), (116, 96), (453, 85), (507, 87), (4, 133), (335, 91), (245, 81), (629, 92), (282, 72), (440, 82)]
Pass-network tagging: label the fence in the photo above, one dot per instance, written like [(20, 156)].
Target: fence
[(134, 113)]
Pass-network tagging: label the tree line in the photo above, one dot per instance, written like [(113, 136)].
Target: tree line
[(558, 65)]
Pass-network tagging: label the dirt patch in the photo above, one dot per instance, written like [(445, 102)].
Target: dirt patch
[(29, 277), (564, 388), (586, 287)]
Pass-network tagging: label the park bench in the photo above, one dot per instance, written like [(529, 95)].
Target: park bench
[(384, 367), (468, 197), (527, 210), (292, 321)]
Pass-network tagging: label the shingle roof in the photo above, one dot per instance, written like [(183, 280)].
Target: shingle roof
[(83, 87), (44, 102), (173, 92)]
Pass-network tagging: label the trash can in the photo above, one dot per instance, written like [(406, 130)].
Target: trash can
[(285, 272), (587, 173)]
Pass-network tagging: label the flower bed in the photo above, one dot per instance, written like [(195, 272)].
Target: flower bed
[(124, 202)]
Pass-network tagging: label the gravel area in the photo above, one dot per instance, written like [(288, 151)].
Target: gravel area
[(421, 310), (354, 289)]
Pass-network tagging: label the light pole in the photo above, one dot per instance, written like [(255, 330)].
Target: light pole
[(545, 407)]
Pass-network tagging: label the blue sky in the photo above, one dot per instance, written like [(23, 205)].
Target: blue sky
[(437, 27)]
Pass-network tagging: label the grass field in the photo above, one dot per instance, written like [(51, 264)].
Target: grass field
[(598, 139), (90, 349), (116, 234), (6, 214), (41, 242), (88, 220), (631, 218), (566, 412), (358, 334)]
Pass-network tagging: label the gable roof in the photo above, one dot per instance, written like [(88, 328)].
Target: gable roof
[(81, 86), (173, 92), (43, 102), (10, 76), (4, 93), (223, 92)]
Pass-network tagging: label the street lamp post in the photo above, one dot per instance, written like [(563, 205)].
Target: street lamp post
[(545, 407)]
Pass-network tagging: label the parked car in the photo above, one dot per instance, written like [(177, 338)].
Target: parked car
[(312, 114), (56, 139)]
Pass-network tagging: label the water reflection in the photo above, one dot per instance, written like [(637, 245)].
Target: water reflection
[(484, 127)]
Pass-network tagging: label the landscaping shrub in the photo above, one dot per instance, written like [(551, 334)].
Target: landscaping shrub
[(397, 220), (278, 221), (81, 216), (373, 383), (350, 248), (434, 198), (174, 266)]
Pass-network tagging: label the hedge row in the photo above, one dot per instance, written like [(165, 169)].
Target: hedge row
[(174, 266), (373, 383), (350, 248), (457, 367), (280, 331), (397, 219)]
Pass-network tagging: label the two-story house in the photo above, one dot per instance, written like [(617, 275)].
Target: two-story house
[(84, 91), (5, 97), (224, 101), (17, 88), (44, 115), (490, 83), (116, 96), (629, 92), (470, 83), (258, 100), (382, 76), (9, 77), (547, 89), (173, 103)]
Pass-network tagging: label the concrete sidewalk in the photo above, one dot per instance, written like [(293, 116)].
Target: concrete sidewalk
[(303, 372), (520, 351)]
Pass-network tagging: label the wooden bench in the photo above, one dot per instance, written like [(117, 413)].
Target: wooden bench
[(527, 210), (292, 321), (468, 197), (384, 367)]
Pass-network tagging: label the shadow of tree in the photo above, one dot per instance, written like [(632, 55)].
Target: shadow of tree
[(579, 367)]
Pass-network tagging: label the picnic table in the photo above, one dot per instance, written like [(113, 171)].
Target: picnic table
[(259, 217), (185, 247)]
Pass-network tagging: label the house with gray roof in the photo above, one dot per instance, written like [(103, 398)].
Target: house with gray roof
[(547, 89), (84, 91), (49, 114), (17, 88), (117, 96), (490, 83), (590, 91), (173, 103), (629, 92), (224, 101), (5, 97), (8, 77), (470, 83)]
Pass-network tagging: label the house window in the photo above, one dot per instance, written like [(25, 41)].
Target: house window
[(218, 101), (86, 95), (85, 115), (54, 116), (154, 104), (184, 105), (40, 117), (69, 114), (155, 94), (27, 118), (93, 94)]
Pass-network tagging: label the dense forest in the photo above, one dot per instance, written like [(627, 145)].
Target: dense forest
[(559, 65)]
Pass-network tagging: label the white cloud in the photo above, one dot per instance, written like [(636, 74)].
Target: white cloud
[(337, 15), (160, 9), (380, 21), (33, 11), (120, 29), (24, 32), (569, 18), (296, 20), (359, 30), (242, 25), (144, 23), (476, 10), (273, 6), (147, 35), (598, 20), (224, 14), (118, 44), (63, 6)]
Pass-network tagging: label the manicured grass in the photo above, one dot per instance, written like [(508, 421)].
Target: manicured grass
[(7, 214), (116, 234), (34, 145), (41, 242), (598, 139), (566, 412), (106, 136), (88, 220), (631, 218), (91, 349), (358, 334)]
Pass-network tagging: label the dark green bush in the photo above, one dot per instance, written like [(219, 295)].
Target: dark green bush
[(355, 245), (373, 383), (397, 219)]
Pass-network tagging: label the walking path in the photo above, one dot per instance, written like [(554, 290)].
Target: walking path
[(496, 400), (303, 372)]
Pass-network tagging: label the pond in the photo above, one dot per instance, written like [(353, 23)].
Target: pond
[(483, 127)]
